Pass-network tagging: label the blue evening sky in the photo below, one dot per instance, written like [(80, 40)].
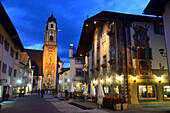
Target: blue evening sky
[(29, 18)]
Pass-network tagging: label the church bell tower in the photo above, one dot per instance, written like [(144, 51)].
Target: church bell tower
[(50, 54)]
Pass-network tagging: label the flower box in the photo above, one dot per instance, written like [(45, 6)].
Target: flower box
[(112, 61), (103, 65), (117, 107), (97, 68), (124, 106)]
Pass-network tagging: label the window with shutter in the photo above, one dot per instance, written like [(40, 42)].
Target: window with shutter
[(148, 53), (134, 52)]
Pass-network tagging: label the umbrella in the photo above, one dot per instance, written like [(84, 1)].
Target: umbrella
[(85, 90), (92, 89), (100, 92)]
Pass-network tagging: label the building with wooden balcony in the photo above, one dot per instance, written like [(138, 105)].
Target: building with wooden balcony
[(123, 53)]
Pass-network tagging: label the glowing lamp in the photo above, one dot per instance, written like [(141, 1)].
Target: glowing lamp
[(134, 79), (19, 81), (118, 78), (159, 79)]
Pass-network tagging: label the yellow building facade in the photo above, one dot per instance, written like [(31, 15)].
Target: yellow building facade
[(50, 54)]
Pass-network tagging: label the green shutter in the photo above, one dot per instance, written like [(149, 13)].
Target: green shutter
[(149, 53)]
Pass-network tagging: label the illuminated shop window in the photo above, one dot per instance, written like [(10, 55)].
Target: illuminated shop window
[(106, 89), (166, 92), (115, 90), (147, 91)]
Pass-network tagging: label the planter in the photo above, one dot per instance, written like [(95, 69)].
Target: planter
[(103, 65), (117, 107), (124, 106)]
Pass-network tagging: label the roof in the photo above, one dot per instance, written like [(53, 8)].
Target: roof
[(64, 70), (106, 16), (155, 7), (9, 27), (37, 56), (50, 19)]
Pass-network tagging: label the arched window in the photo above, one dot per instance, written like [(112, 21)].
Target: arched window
[(51, 38)]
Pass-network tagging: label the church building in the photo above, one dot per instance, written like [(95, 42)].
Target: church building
[(49, 64)]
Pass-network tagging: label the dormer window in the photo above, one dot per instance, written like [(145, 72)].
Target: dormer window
[(52, 25), (51, 38)]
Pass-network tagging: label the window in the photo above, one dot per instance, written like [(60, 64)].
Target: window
[(12, 52), (9, 71), (166, 92), (65, 80), (98, 53), (106, 90), (1, 39), (16, 55), (142, 53), (15, 72), (6, 45), (98, 42), (79, 72), (52, 26), (104, 59), (4, 68), (104, 37), (79, 60), (98, 63), (159, 28), (115, 90), (112, 54), (147, 91), (0, 65), (51, 38)]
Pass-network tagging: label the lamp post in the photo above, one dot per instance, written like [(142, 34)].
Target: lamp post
[(163, 53)]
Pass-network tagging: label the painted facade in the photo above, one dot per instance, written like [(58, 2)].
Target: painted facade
[(123, 53)]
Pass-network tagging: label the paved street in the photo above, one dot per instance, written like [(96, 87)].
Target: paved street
[(34, 104)]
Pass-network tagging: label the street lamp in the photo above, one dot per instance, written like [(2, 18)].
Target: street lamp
[(163, 53), (19, 81)]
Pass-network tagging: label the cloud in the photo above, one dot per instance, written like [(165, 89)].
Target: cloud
[(30, 16)]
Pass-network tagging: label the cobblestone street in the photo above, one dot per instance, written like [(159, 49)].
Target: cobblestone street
[(34, 104)]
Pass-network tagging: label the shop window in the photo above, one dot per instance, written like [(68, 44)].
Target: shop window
[(166, 92), (106, 90), (115, 90), (147, 92)]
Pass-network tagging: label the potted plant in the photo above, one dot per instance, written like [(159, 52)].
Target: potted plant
[(117, 104), (103, 65), (124, 105), (6, 96)]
